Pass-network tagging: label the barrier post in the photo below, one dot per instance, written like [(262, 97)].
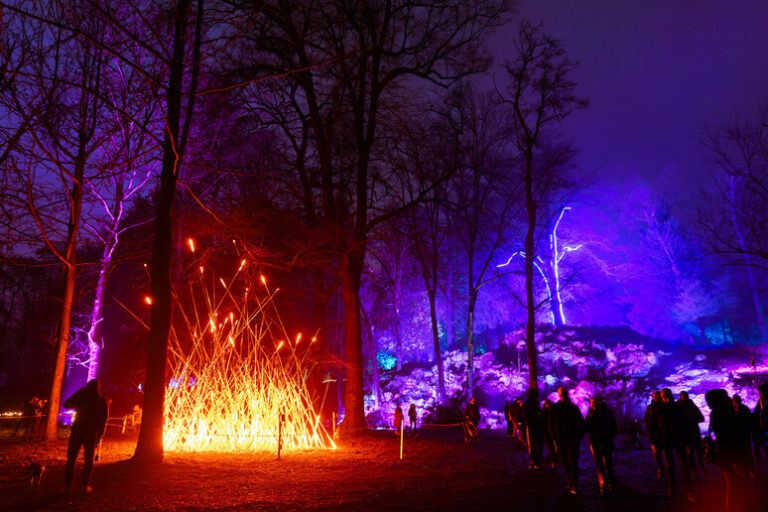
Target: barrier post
[(402, 434), (280, 418), (333, 424)]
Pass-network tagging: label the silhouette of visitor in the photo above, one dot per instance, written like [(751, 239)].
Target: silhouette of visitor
[(568, 429), (87, 428)]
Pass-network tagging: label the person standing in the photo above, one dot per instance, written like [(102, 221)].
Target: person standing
[(744, 424), (760, 423), (509, 419), (549, 438), (473, 412), (517, 412), (568, 429), (534, 436), (654, 436), (693, 416), (87, 428), (601, 426), (668, 420), (412, 417), (398, 419)]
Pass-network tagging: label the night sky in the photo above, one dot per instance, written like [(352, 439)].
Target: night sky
[(657, 73)]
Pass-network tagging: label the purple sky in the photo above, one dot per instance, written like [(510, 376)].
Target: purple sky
[(656, 72)]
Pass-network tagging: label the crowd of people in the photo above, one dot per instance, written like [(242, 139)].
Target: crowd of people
[(736, 438)]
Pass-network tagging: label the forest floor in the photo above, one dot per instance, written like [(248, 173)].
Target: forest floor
[(438, 472)]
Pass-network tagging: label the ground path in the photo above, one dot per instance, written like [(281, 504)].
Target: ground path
[(438, 473)]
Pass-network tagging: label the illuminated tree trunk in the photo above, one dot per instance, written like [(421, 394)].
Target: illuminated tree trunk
[(351, 271), (149, 447), (471, 340), (530, 327), (94, 345), (438, 352), (70, 272)]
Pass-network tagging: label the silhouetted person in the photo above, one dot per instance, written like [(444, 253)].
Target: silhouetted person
[(668, 420), (744, 424), (693, 416), (412, 417), (760, 423), (568, 429), (398, 419), (601, 426), (549, 438), (28, 416), (87, 428), (654, 437), (534, 428), (509, 419), (473, 412), (517, 414), (729, 439)]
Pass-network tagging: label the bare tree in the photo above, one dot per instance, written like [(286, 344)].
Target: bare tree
[(540, 94)]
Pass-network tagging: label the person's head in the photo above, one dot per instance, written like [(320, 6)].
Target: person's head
[(472, 401), (596, 401), (666, 395), (563, 394), (683, 396), (717, 400), (736, 400), (547, 403), (763, 390), (518, 399), (93, 386), (413, 406), (656, 396)]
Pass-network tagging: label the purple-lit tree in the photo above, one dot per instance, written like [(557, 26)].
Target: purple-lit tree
[(485, 199), (358, 62), (540, 94), (736, 221)]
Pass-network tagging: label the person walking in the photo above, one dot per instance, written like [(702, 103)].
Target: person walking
[(534, 435), (412, 417), (601, 426), (760, 424), (549, 438), (568, 429), (473, 412), (87, 428), (398, 419), (668, 421), (654, 436), (695, 448), (509, 419)]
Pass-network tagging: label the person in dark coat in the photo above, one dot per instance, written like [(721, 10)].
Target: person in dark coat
[(534, 434), (509, 419), (87, 428), (693, 416), (549, 438), (601, 426), (654, 438), (729, 437), (517, 414), (568, 429), (760, 423), (668, 421), (412, 416), (744, 420), (473, 412)]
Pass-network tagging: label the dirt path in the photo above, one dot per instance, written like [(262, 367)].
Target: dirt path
[(438, 473)]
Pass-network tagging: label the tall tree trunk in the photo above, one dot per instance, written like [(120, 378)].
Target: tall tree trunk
[(149, 447), (70, 273), (351, 272), (471, 341), (398, 340), (450, 329), (530, 327), (375, 382), (94, 332), (436, 344)]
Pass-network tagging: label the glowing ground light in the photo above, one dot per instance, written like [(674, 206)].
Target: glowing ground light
[(246, 374)]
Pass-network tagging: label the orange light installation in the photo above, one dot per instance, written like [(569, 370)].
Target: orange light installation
[(232, 381)]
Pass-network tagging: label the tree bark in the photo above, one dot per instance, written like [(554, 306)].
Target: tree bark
[(471, 341), (351, 272), (530, 327), (149, 447), (438, 353)]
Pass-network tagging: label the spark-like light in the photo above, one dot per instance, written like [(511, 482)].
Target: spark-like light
[(244, 382), (191, 244)]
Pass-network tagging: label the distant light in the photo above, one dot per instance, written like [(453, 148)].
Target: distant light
[(202, 269), (298, 338), (279, 346), (263, 280), (242, 264), (191, 244), (148, 300)]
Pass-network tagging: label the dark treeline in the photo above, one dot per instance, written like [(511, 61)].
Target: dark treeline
[(345, 150)]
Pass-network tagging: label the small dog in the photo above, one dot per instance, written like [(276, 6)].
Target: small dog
[(35, 474)]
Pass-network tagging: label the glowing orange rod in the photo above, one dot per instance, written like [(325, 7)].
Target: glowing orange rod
[(191, 244), (279, 346), (242, 264), (263, 280), (148, 300), (298, 338)]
